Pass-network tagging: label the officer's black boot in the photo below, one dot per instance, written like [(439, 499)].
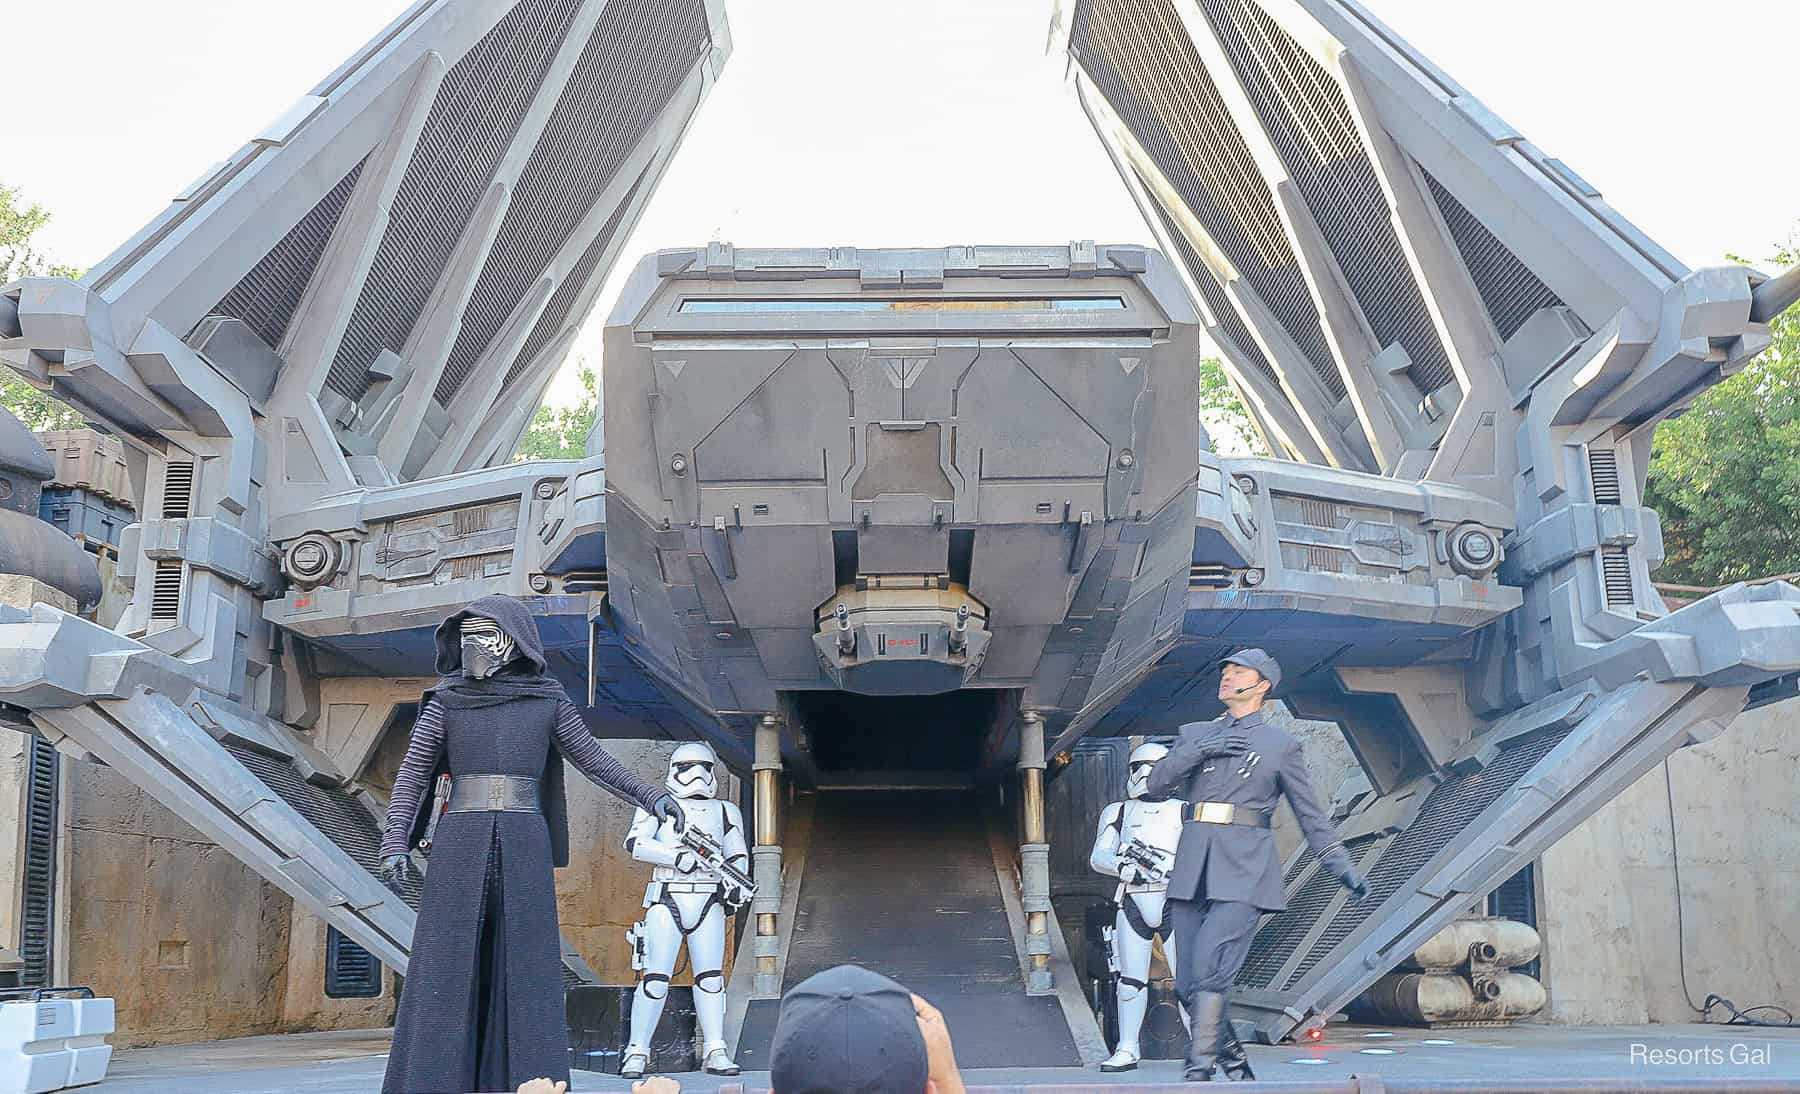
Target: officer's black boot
[(1233, 1060), (1206, 1010)]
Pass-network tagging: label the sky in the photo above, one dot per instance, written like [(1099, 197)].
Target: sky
[(922, 123)]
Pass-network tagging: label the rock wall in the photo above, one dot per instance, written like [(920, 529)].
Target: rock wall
[(191, 943), (1615, 939)]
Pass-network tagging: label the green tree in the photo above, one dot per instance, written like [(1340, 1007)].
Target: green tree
[(18, 224), (1725, 475), (560, 432), (1224, 415)]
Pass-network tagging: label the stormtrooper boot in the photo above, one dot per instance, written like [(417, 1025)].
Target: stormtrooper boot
[(1125, 1059), (633, 1064), (717, 1061)]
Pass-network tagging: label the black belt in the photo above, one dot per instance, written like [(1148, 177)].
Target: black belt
[(494, 793), (1224, 813)]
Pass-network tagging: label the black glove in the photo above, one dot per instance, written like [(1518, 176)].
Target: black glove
[(667, 808), (1353, 881), (398, 869), (1235, 744)]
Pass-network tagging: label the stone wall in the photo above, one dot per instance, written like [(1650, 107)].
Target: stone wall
[(191, 943), (1615, 940)]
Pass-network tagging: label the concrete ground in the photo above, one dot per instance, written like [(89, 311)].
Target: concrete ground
[(352, 1062)]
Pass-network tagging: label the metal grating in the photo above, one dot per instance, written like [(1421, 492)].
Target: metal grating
[(351, 972), (337, 815), (1225, 314), (178, 490), (635, 61), (1453, 805), (268, 295), (477, 112), (1510, 290), (1615, 570), (37, 897), (1302, 109), (559, 310), (165, 590), (1275, 943), (1516, 899), (1142, 61), (1603, 470), (1319, 513)]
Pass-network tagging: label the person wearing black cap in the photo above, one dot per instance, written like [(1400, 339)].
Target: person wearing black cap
[(851, 1031), (1230, 771)]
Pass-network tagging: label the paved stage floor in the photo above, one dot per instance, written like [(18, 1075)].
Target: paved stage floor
[(351, 1062)]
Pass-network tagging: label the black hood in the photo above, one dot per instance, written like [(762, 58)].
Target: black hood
[(514, 618)]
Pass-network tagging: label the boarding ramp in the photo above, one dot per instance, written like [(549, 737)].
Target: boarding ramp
[(917, 881)]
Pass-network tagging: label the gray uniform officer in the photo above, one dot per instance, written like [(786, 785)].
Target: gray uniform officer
[(1230, 771)]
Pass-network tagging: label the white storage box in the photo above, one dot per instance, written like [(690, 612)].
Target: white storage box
[(54, 1043)]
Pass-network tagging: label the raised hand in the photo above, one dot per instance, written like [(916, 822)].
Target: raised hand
[(668, 809)]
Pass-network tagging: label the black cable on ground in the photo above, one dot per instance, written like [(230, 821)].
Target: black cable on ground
[(1739, 1017)]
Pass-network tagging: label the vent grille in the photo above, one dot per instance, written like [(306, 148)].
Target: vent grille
[(351, 972), (37, 919), (1454, 804), (1142, 61), (1615, 569), (1319, 513), (1224, 312), (477, 112), (1209, 575), (178, 490), (559, 311), (469, 521), (165, 591), (1603, 469), (1304, 113), (337, 815), (1325, 560), (1275, 943), (635, 60), (1507, 286), (268, 295)]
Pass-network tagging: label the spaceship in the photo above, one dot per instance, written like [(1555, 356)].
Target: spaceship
[(858, 510)]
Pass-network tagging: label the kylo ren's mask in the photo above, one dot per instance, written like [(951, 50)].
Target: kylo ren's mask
[(486, 649)]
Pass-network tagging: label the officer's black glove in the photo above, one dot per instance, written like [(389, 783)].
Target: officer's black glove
[(1353, 881), (1234, 744), (668, 808), (398, 869)]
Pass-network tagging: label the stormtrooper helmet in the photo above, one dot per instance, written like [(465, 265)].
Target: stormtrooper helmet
[(691, 770), (1143, 758), (486, 647)]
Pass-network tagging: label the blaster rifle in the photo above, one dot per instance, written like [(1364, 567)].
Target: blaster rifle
[(712, 855), (1153, 861)]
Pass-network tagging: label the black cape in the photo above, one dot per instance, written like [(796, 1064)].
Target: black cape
[(482, 1006)]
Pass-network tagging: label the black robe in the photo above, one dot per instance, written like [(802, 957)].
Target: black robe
[(482, 1008)]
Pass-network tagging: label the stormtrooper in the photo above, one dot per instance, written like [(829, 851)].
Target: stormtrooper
[(687, 898), (1136, 843)]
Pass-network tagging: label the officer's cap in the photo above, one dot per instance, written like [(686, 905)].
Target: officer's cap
[(1261, 662)]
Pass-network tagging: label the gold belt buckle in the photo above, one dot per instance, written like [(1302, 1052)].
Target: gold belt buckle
[(1214, 812)]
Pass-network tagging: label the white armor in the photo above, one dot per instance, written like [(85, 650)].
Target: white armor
[(687, 899), (1141, 895)]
